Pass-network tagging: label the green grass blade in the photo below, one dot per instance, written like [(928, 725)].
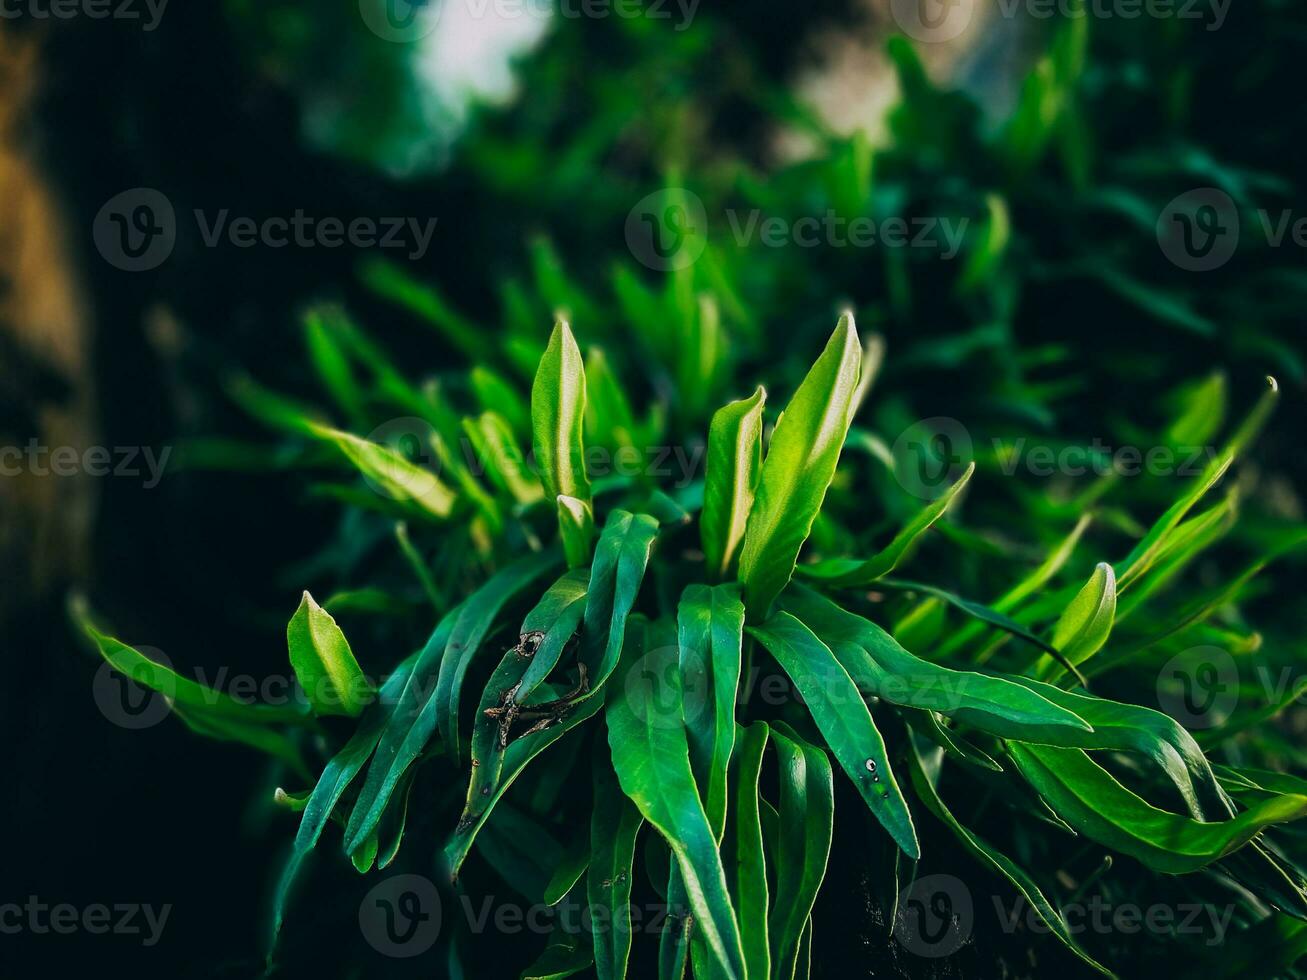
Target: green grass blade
[(734, 461), (800, 462), (850, 572)]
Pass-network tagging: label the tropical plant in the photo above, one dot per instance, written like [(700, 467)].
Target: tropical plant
[(620, 647)]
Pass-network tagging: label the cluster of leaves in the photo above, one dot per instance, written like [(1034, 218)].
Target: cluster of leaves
[(612, 630), (622, 696)]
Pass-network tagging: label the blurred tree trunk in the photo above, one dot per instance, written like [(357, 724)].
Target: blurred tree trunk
[(45, 381)]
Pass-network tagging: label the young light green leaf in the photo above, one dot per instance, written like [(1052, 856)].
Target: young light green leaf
[(1146, 552), (390, 473), (614, 824), (495, 444), (851, 572), (1089, 798), (576, 526), (558, 416), (873, 356), (807, 811), (800, 462), (734, 460), (1084, 625), (843, 719), (323, 662), (651, 756)]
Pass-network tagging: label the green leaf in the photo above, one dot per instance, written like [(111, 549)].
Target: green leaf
[(615, 578), (1147, 551), (499, 398), (996, 613), (850, 572), (1202, 411), (608, 416), (564, 956), (651, 756), (984, 614), (204, 710), (1128, 727), (734, 461), (1084, 625), (807, 811), (420, 709), (576, 526), (324, 664), (519, 755), (558, 417), (333, 366), (747, 870), (614, 824), (843, 719), (470, 631), (390, 474), (1089, 798), (391, 282), (710, 624), (272, 409), (545, 633), (407, 727), (924, 773), (503, 461), (801, 458), (333, 782)]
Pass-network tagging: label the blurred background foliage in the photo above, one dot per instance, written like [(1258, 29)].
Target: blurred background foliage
[(1060, 320)]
